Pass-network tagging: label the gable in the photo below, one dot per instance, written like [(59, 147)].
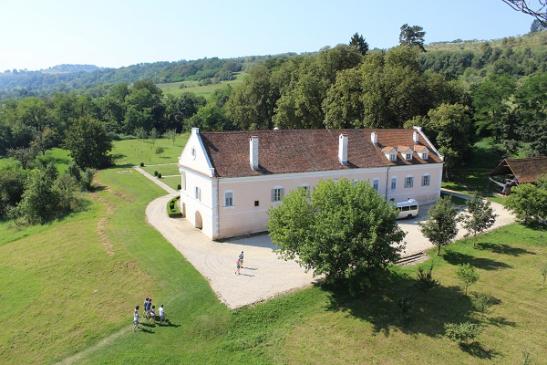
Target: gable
[(194, 155)]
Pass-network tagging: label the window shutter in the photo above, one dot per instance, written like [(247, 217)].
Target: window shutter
[(281, 193)]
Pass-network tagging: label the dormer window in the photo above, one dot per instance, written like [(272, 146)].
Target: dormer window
[(408, 156), (393, 156), (423, 155)]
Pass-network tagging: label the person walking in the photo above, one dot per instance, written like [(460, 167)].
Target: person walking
[(241, 257), (238, 266), (136, 318), (162, 314)]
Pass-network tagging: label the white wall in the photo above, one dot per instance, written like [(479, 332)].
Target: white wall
[(245, 218)]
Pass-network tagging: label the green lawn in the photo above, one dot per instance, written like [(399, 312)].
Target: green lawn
[(134, 151), (164, 170), (70, 283), (174, 88)]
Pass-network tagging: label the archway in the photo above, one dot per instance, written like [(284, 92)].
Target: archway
[(198, 221)]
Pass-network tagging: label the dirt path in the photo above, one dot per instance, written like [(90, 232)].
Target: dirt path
[(102, 343)]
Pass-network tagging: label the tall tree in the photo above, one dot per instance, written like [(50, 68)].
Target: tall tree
[(89, 144), (441, 225), (412, 36), (358, 41), (345, 231)]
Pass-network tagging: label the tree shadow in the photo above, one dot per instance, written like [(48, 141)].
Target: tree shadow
[(117, 156), (500, 321), (505, 249), (477, 350), (424, 313), (457, 258)]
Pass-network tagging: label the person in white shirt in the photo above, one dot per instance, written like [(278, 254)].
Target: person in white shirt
[(162, 314), (136, 318)]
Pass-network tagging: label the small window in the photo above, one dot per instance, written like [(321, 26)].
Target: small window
[(257, 203), (424, 156), (426, 179), (277, 194), (409, 182), (393, 157), (393, 183), (194, 154), (376, 184), (228, 199), (409, 156), (413, 207), (198, 193), (406, 208)]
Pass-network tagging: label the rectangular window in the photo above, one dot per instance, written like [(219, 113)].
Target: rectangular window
[(393, 157), (393, 183), (426, 180), (277, 194), (376, 184), (228, 199), (198, 193), (409, 182), (409, 156)]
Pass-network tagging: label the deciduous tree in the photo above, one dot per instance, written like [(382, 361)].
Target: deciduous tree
[(441, 225)]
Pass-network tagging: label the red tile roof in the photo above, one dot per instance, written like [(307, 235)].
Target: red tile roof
[(304, 150)]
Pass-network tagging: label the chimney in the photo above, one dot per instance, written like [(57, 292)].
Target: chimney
[(343, 149), (374, 138), (253, 152), (415, 137), (195, 130)]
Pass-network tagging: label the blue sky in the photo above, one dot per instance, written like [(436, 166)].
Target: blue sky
[(40, 33)]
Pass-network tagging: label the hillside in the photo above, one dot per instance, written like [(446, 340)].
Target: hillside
[(17, 83)]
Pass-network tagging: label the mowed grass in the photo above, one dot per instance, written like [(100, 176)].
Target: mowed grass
[(320, 326), (132, 152), (164, 170), (174, 88), (71, 283)]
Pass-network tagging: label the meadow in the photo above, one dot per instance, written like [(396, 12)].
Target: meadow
[(68, 284), (177, 88)]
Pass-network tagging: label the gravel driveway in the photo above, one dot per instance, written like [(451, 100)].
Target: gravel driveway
[(264, 275)]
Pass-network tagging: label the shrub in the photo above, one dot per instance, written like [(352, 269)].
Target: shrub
[(173, 208), (159, 150), (480, 302), (65, 187), (142, 164), (40, 200), (155, 173), (468, 275), (425, 278), (180, 187), (462, 333), (159, 175), (87, 179)]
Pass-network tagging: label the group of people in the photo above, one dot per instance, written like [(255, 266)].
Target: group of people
[(149, 313), (239, 263)]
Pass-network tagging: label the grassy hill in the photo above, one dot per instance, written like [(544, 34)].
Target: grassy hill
[(177, 88)]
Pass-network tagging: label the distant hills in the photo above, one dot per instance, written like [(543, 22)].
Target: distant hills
[(66, 77)]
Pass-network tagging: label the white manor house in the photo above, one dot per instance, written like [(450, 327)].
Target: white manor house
[(231, 179)]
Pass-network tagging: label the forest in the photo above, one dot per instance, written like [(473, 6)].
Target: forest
[(458, 91)]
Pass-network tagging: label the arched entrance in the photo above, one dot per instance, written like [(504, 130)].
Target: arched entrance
[(198, 221)]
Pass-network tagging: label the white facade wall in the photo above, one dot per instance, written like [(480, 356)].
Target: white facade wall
[(202, 206), (245, 218)]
